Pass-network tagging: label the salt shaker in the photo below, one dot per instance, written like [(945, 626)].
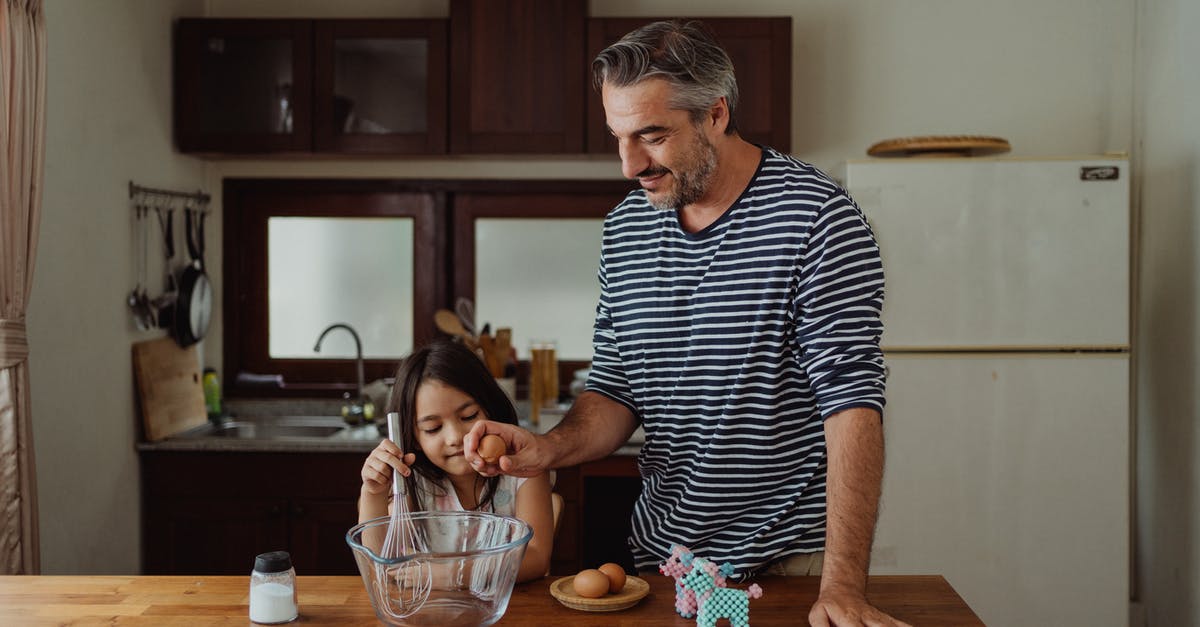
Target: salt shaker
[(273, 589)]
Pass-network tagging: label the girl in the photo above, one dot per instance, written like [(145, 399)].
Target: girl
[(441, 390)]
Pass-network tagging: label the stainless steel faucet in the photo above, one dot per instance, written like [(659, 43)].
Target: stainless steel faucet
[(358, 406)]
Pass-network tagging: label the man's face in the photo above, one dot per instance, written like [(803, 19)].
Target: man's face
[(670, 156)]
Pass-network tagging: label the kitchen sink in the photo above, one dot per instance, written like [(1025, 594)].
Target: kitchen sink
[(271, 428)]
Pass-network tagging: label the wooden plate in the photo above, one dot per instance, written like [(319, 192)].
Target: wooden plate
[(940, 146), (635, 588)]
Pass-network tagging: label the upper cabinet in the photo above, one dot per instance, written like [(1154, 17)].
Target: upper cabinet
[(497, 77), (518, 76), (243, 85), (761, 51), (380, 86), (302, 86)]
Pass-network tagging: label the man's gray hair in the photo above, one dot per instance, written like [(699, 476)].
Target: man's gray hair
[(684, 54)]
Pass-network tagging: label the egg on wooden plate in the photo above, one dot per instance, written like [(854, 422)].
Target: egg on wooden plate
[(591, 583)]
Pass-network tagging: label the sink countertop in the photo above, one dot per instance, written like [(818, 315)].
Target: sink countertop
[(362, 438)]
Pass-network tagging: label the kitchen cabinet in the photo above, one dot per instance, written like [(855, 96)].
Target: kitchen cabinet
[(598, 500), (208, 512), (761, 51), (305, 86), (518, 76), (243, 85)]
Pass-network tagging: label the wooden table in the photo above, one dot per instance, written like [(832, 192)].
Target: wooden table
[(198, 601)]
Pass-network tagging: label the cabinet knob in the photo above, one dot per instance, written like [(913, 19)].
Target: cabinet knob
[(299, 511), (274, 511)]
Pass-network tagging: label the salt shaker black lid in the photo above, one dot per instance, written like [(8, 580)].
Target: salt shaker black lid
[(273, 562)]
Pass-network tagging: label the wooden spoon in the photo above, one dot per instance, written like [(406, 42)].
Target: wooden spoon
[(447, 322)]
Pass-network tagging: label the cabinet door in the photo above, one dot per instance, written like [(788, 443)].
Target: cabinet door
[(201, 536), (243, 86), (318, 536), (518, 76), (761, 51), (380, 86)]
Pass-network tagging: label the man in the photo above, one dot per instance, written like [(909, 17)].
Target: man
[(739, 324)]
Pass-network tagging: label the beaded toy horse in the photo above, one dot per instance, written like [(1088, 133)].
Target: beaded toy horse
[(713, 602), (678, 565)]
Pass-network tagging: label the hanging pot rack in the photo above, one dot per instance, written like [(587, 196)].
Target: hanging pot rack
[(184, 306), (199, 196)]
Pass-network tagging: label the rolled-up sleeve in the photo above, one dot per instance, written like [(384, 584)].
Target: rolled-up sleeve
[(837, 307)]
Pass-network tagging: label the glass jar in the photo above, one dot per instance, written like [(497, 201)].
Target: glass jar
[(273, 589)]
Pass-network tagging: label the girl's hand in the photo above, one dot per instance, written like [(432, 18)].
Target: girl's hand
[(377, 470)]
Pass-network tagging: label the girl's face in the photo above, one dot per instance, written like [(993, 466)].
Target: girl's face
[(444, 415)]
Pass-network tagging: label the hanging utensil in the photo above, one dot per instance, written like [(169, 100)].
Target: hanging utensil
[(163, 304), (137, 297), (194, 304)]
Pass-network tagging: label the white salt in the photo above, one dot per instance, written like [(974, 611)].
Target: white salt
[(272, 603)]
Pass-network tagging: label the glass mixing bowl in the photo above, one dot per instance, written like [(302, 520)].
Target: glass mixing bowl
[(464, 578)]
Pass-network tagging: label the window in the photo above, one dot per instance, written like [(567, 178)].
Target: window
[(301, 255), (383, 256)]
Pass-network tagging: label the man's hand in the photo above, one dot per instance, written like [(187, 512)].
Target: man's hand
[(846, 608), (854, 440), (524, 455)]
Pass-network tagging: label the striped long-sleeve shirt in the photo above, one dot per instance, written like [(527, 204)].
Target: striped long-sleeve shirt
[(731, 345)]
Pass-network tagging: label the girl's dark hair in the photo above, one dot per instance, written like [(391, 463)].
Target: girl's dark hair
[(456, 366)]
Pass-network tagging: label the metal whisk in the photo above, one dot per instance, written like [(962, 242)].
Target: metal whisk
[(406, 583)]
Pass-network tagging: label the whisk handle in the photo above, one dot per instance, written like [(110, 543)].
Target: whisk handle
[(393, 426)]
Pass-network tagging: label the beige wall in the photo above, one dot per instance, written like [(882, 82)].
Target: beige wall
[(108, 118), (1054, 78), (1168, 151)]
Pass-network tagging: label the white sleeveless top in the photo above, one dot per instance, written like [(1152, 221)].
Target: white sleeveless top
[(441, 497)]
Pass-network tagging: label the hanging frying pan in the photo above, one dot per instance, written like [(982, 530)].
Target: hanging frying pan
[(194, 306)]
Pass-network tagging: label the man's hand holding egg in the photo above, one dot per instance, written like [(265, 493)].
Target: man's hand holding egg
[(491, 448)]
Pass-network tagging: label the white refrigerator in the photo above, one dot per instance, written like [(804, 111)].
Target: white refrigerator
[(1006, 337)]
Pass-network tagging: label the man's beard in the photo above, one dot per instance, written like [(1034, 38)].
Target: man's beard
[(691, 180)]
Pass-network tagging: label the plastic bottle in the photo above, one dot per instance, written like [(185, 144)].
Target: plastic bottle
[(212, 394), (273, 589)]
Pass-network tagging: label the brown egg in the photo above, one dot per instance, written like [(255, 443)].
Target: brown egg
[(491, 447), (616, 576), (591, 583)]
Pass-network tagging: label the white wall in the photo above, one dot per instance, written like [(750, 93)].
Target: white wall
[(1168, 99), (108, 118)]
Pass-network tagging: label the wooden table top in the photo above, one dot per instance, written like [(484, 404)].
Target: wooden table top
[(197, 601)]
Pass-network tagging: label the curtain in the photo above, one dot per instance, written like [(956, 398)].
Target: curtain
[(22, 151)]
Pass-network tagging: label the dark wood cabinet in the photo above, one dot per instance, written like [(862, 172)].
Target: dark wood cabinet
[(305, 86), (761, 51), (380, 86), (518, 76), (511, 77), (211, 513), (598, 500), (243, 86)]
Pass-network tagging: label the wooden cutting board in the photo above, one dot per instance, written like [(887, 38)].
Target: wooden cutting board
[(169, 387)]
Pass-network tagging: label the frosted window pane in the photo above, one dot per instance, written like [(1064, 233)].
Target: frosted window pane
[(353, 270), (538, 276)]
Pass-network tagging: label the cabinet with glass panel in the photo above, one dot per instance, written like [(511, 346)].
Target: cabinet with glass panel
[(311, 86)]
